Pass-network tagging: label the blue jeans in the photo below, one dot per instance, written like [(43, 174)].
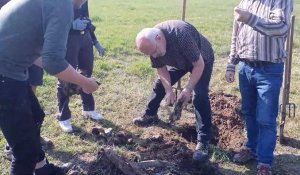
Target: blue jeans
[(21, 117), (260, 88), (200, 100)]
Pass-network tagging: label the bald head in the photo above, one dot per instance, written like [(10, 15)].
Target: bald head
[(146, 40)]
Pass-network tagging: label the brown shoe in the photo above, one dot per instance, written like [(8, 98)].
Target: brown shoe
[(244, 156), (145, 120), (263, 169)]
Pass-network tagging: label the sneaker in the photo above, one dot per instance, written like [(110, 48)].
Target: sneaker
[(201, 152), (8, 154), (50, 169), (92, 114), (46, 143), (263, 169), (244, 156), (66, 125), (145, 119)]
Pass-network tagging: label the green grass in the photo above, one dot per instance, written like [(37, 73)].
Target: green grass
[(126, 76)]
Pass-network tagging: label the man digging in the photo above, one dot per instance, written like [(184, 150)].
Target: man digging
[(175, 48)]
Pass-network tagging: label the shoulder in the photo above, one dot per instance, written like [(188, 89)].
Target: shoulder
[(59, 6)]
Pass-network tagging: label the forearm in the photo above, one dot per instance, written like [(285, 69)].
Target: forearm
[(278, 21), (233, 45), (197, 71), (71, 75), (165, 78)]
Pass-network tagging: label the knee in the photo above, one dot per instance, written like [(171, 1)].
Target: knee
[(200, 98), (268, 124)]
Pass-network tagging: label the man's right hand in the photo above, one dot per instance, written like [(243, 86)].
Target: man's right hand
[(89, 85), (170, 98), (80, 24), (229, 76)]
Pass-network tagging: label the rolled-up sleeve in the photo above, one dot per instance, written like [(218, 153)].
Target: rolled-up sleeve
[(278, 21), (57, 18)]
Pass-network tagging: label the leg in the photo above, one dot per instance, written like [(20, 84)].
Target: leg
[(73, 46), (269, 83), (248, 107), (158, 92), (203, 114), (157, 95), (85, 64), (248, 110), (63, 103), (202, 105), (20, 126)]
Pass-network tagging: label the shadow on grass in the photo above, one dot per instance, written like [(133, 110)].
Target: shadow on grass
[(286, 164), (291, 142)]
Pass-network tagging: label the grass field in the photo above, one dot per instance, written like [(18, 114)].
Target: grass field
[(127, 77)]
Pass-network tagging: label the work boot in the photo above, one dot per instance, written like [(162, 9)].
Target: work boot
[(201, 152), (263, 169), (244, 156), (145, 120), (50, 169)]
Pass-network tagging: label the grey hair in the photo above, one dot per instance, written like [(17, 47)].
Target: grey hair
[(148, 33)]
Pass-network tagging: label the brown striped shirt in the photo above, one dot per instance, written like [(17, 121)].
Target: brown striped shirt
[(262, 38)]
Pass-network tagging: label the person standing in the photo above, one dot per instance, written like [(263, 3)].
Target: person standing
[(175, 48), (30, 29), (258, 46), (80, 55)]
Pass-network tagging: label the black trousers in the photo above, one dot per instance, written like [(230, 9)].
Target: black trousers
[(79, 55), (200, 100), (20, 119)]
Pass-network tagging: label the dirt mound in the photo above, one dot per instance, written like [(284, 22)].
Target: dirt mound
[(172, 144), (228, 127)]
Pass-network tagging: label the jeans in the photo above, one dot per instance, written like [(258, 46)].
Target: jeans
[(260, 88), (79, 55), (200, 100), (20, 119)]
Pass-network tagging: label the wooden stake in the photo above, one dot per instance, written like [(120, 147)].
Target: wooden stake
[(179, 88), (287, 79)]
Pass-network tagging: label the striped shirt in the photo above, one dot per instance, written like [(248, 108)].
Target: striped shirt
[(262, 37)]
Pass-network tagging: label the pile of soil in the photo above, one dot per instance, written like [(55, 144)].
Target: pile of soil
[(175, 143), (228, 126)]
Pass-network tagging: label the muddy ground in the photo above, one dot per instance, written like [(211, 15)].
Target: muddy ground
[(173, 144)]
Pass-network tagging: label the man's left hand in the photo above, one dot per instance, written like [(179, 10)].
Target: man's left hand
[(185, 95), (241, 15)]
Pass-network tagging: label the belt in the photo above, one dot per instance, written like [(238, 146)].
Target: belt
[(256, 63)]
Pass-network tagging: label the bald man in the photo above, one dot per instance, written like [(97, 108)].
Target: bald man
[(176, 48)]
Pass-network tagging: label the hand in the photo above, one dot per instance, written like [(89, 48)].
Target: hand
[(185, 95), (229, 76), (241, 15), (170, 98), (89, 85), (80, 24), (99, 49)]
